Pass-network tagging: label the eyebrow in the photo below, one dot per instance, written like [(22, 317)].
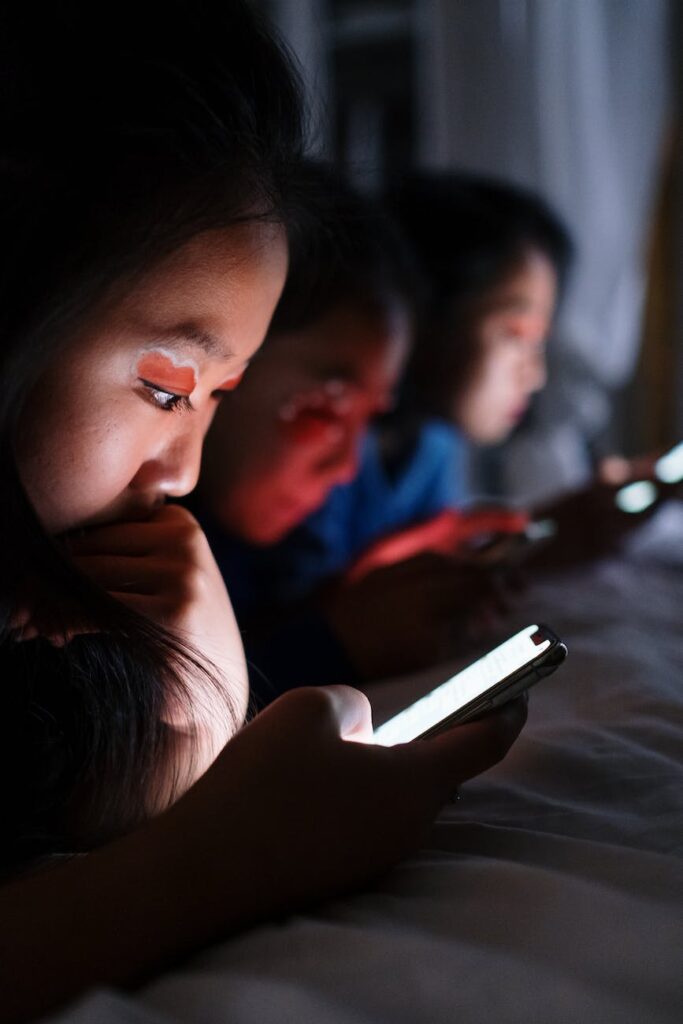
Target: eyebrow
[(512, 304), (181, 334)]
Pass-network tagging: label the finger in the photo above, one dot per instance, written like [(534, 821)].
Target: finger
[(156, 609), (135, 575), (352, 712), (135, 537), (325, 712), (467, 750), (123, 538)]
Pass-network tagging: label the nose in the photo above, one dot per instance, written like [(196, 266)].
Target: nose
[(535, 373), (344, 467), (172, 470)]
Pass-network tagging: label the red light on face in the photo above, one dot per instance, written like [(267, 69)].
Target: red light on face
[(231, 384), (318, 414), (309, 425)]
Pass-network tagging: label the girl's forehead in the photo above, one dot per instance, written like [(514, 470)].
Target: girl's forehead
[(206, 300), (201, 274), (530, 285)]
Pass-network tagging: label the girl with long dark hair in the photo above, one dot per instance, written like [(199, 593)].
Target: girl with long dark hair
[(146, 194)]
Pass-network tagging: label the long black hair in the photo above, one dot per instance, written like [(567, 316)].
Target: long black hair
[(112, 155), (468, 234)]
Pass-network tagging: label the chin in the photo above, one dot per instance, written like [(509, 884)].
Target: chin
[(266, 533), (501, 435), (489, 435)]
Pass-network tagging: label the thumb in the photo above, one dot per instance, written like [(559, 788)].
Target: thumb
[(353, 713)]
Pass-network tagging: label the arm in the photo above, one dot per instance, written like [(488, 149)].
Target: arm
[(446, 534), (163, 568), (290, 805)]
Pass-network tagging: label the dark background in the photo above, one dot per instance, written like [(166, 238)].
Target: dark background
[(579, 99)]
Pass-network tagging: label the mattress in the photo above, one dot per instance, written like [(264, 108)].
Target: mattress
[(552, 891)]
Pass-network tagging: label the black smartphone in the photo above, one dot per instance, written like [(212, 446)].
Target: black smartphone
[(642, 494), (669, 468), (496, 548), (496, 678)]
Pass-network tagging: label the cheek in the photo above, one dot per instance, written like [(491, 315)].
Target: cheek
[(492, 382), (482, 409), (73, 469), (307, 431)]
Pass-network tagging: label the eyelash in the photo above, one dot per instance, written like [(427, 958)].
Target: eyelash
[(167, 401)]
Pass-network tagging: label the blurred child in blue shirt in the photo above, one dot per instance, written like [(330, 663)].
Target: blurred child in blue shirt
[(492, 260)]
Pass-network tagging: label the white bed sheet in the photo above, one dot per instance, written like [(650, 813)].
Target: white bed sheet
[(552, 892)]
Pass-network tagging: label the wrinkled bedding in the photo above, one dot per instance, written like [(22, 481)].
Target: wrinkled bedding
[(551, 892)]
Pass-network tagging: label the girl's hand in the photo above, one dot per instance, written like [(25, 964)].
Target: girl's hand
[(590, 525), (313, 813), (163, 568), (290, 813), (616, 471)]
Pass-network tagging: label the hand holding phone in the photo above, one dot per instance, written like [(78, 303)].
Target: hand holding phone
[(493, 680), (641, 495), (458, 532), (509, 549)]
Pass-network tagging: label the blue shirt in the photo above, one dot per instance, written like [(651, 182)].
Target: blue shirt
[(300, 648), (376, 503)]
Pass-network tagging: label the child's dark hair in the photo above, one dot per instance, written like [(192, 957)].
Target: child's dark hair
[(348, 251), (468, 234), (112, 154)]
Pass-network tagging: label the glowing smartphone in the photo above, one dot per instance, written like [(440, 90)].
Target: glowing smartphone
[(496, 678), (669, 468), (642, 494), (497, 548)]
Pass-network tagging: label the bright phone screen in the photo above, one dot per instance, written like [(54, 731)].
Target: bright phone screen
[(669, 469), (636, 497), (462, 688), (640, 495)]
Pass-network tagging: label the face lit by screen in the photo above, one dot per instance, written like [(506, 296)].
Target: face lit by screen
[(116, 424)]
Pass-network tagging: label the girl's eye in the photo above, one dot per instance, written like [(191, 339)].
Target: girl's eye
[(166, 400)]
